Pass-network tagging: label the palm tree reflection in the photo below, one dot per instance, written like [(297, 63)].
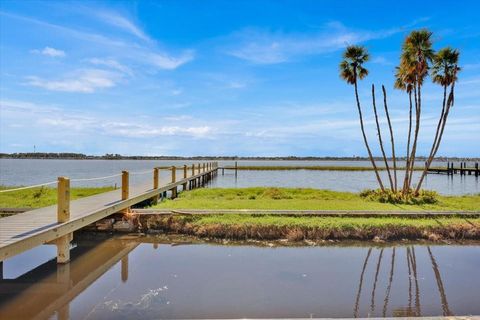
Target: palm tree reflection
[(413, 305)]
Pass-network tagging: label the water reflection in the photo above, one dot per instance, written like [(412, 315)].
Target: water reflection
[(149, 278), (49, 288), (412, 274)]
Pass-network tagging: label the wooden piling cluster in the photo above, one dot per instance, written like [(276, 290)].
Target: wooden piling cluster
[(461, 170), (200, 175)]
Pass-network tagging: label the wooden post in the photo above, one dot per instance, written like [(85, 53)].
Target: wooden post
[(63, 195), (63, 215), (185, 177), (125, 185), (204, 167), (156, 183), (174, 179), (155, 178), (199, 168)]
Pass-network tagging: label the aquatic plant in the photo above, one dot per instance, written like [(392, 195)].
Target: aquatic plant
[(398, 197)]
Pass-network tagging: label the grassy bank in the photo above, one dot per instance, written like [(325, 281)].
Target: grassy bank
[(42, 197), (319, 168), (304, 199), (295, 228)]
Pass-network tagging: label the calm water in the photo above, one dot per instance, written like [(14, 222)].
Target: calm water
[(28, 172), (150, 279)]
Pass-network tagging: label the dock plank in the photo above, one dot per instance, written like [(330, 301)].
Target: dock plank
[(29, 229)]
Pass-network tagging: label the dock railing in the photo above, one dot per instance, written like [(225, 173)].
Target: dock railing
[(205, 172)]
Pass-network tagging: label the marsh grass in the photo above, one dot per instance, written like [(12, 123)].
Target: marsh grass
[(297, 228), (265, 198)]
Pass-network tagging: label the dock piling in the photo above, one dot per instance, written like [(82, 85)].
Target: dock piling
[(185, 176), (174, 179), (63, 215), (156, 183), (125, 185)]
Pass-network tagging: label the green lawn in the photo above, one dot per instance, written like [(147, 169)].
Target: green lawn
[(42, 197), (317, 168), (304, 199)]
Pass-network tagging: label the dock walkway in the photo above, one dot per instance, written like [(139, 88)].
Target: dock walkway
[(29, 229)]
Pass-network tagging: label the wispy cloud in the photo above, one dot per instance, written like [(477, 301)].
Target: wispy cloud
[(123, 23), (57, 119), (111, 63), (267, 47), (51, 52), (82, 81), (148, 54), (165, 61)]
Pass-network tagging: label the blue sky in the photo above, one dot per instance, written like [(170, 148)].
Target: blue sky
[(251, 78)]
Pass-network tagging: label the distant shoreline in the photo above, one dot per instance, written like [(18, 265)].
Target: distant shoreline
[(80, 156)]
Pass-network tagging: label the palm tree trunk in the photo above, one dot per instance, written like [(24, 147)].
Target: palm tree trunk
[(389, 287), (440, 135), (372, 304), (391, 138), (360, 284), (435, 140), (366, 141), (418, 110), (407, 160), (441, 288), (380, 141)]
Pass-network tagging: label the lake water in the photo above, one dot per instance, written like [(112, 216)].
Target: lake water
[(149, 278), (29, 171)]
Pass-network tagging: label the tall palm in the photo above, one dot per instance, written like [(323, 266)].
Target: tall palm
[(351, 69), (444, 72), (405, 81), (416, 56)]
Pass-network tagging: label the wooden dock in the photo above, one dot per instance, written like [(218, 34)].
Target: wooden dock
[(461, 170), (56, 224)]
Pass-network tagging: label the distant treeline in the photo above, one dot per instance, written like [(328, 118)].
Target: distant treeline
[(109, 156)]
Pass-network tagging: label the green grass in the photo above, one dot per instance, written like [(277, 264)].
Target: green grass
[(304, 199), (297, 228), (350, 223), (42, 197), (320, 168)]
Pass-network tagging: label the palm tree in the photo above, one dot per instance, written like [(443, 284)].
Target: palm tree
[(405, 81), (416, 56), (444, 72), (351, 69)]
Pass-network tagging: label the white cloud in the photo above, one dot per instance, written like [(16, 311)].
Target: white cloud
[(131, 130), (150, 54), (111, 63), (55, 118), (83, 81), (51, 52), (123, 23), (165, 61), (266, 47)]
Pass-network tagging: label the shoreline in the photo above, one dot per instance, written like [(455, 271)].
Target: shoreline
[(80, 156), (304, 229)]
